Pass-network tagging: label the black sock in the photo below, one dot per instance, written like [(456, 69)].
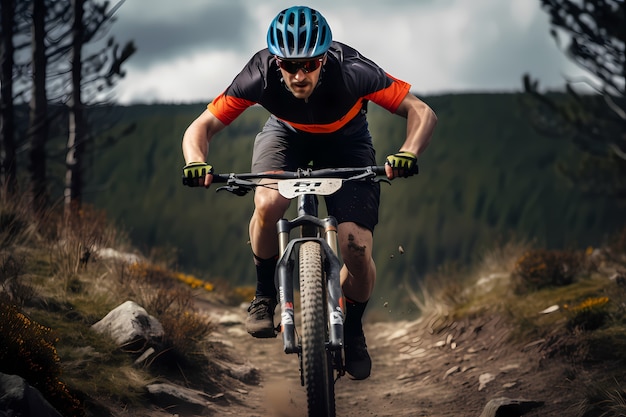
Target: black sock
[(354, 314), (265, 269)]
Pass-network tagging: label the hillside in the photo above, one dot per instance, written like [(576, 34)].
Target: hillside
[(544, 329), (485, 178)]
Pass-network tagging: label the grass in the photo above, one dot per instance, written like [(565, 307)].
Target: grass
[(587, 293), (55, 286)]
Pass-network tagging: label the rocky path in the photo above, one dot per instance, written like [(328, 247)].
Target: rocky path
[(428, 367)]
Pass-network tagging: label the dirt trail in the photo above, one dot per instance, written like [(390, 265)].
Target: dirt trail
[(426, 367)]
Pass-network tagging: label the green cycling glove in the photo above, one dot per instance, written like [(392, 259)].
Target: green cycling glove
[(403, 163), (194, 173)]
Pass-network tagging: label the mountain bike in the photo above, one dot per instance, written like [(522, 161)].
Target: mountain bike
[(313, 258)]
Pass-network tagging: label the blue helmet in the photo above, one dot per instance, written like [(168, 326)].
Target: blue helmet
[(299, 32)]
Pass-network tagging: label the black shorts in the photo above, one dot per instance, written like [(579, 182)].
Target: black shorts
[(280, 147)]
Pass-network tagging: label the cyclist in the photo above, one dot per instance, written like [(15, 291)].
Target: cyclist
[(316, 90)]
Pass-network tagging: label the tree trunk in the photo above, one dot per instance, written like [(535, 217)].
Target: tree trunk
[(38, 123), (77, 123), (8, 170)]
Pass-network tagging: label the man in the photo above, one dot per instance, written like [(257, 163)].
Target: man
[(316, 90)]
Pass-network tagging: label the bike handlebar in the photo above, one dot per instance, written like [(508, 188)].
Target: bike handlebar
[(241, 184), (344, 173)]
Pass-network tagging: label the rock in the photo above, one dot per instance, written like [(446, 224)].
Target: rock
[(509, 367), (451, 371), (484, 379), (245, 373), (506, 407), (230, 319), (398, 334), (130, 326), (550, 309), (18, 398), (179, 399), (110, 253)]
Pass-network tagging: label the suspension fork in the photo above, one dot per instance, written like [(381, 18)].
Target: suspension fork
[(310, 225)]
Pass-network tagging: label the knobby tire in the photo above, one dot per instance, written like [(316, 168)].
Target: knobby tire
[(317, 369)]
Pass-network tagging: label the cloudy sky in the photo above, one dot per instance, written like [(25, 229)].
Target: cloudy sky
[(190, 50)]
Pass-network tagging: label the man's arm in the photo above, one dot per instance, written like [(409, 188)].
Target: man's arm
[(420, 123), (197, 137)]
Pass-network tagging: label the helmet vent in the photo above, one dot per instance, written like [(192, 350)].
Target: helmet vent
[(290, 40)]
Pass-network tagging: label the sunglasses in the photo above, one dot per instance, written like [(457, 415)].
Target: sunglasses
[(292, 67)]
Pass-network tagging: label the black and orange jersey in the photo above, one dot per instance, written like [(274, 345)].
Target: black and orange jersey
[(347, 82)]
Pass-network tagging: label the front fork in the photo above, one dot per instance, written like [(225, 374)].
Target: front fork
[(285, 268)]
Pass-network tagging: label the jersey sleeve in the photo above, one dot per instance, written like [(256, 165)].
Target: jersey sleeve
[(391, 96), (227, 108)]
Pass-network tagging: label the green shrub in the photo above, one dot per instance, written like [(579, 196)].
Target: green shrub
[(28, 349), (74, 242), (588, 315), (542, 268)]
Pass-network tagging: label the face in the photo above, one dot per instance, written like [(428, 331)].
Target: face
[(301, 75)]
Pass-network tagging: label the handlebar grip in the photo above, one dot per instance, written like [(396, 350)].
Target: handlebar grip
[(220, 178), (379, 169)]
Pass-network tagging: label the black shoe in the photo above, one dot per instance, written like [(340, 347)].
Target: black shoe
[(358, 361), (260, 320)]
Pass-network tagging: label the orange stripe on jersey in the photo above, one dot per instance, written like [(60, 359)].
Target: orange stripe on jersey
[(228, 108), (390, 97), (329, 127)]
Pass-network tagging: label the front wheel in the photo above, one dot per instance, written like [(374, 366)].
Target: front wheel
[(317, 371)]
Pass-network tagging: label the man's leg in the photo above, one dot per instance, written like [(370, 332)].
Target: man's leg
[(269, 208), (358, 276)]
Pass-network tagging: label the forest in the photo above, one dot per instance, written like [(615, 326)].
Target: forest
[(532, 165), (488, 177)]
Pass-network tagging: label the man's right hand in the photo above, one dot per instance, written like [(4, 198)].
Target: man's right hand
[(197, 174)]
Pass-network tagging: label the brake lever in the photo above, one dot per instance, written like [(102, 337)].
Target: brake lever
[(371, 176), (381, 179), (234, 189)]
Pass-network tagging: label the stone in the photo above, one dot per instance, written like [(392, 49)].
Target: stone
[(18, 398), (130, 326), (451, 371), (506, 407), (484, 379), (180, 399)]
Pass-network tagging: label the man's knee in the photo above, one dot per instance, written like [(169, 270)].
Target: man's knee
[(356, 242), (269, 205)]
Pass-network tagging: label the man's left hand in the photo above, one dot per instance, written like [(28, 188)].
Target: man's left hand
[(401, 164)]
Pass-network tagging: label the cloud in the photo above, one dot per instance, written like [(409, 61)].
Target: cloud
[(163, 33), (191, 50), (163, 82)]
